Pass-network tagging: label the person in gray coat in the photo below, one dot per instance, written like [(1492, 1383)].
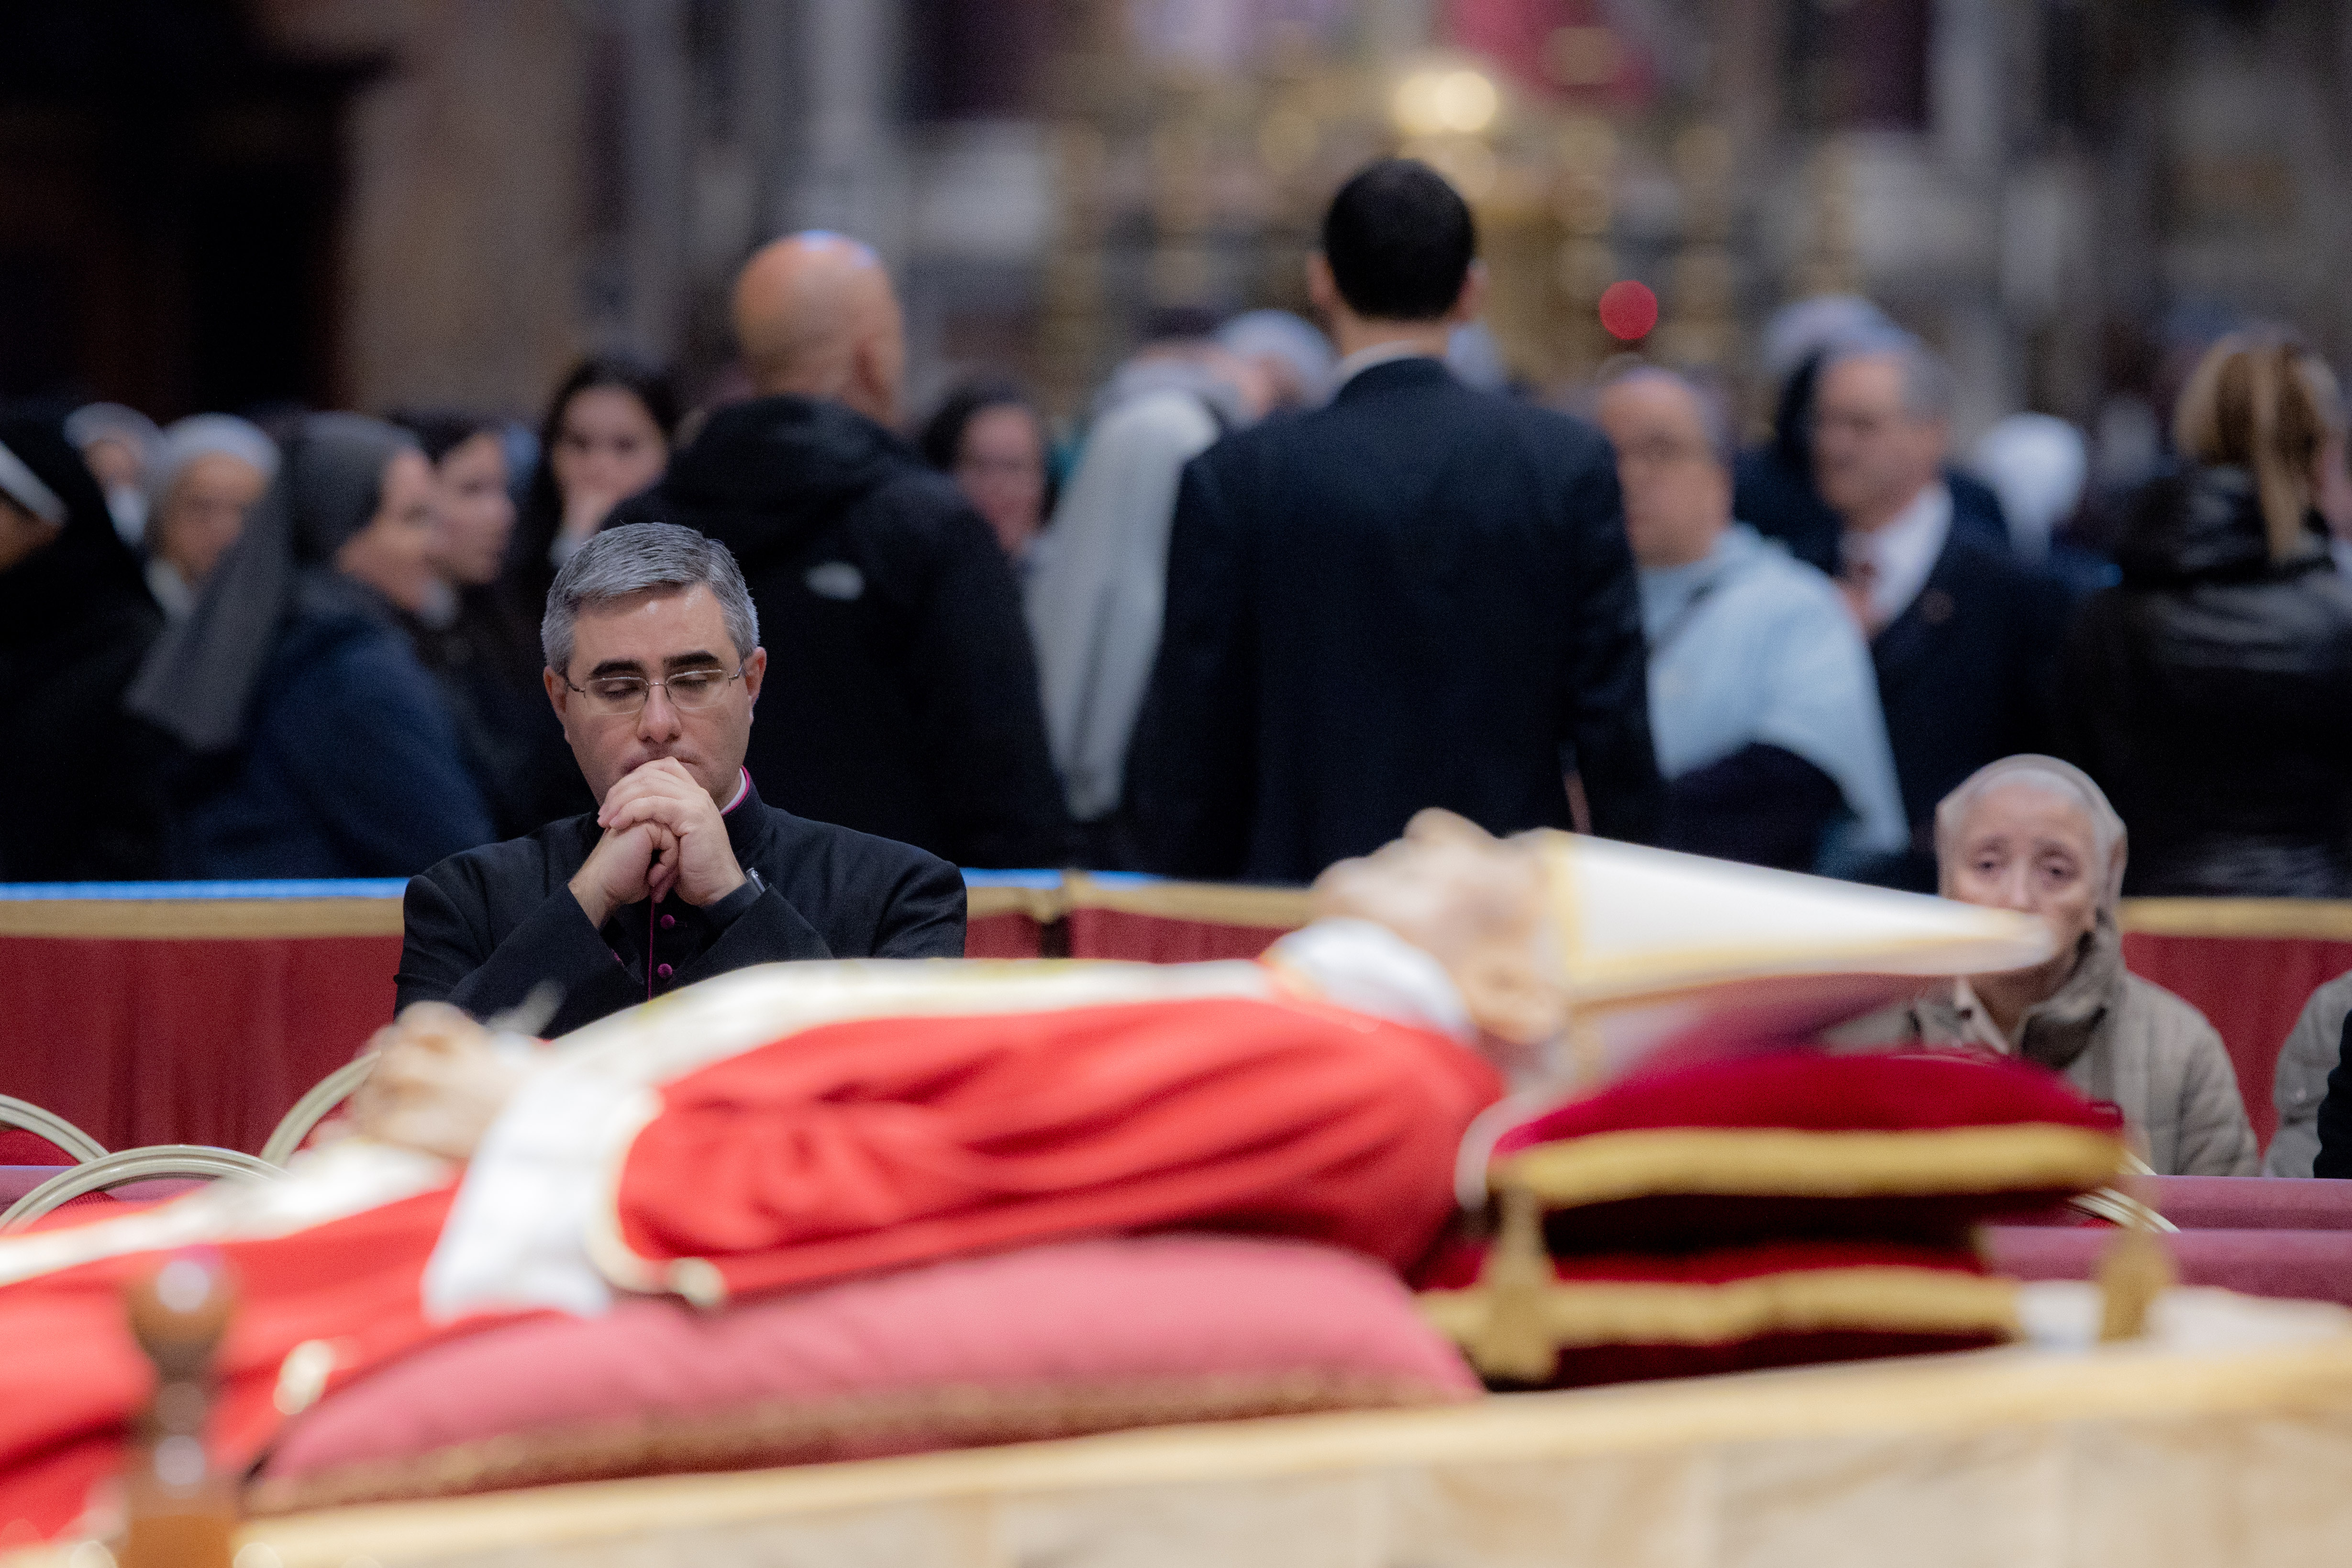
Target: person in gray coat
[(2299, 1083), (2035, 835)]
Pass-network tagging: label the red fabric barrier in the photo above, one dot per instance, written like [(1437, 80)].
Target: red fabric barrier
[(1000, 936), (1155, 939), (2225, 1202), (2302, 1265), (2252, 987), (2251, 1203), (138, 1041)]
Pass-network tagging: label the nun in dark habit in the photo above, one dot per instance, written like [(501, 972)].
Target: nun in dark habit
[(81, 802), (320, 745)]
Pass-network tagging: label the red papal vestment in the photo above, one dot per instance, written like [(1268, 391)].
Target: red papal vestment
[(770, 1130)]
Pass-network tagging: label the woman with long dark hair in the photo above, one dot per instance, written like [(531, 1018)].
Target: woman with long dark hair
[(607, 435), (991, 436), (480, 641)]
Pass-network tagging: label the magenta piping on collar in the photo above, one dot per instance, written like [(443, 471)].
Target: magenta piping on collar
[(742, 793)]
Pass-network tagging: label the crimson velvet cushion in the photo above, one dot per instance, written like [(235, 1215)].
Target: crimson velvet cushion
[(1045, 1342), (1916, 1146), (1777, 1207)]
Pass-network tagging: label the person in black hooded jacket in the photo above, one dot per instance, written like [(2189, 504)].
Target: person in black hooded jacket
[(2206, 693), (76, 620), (901, 696)]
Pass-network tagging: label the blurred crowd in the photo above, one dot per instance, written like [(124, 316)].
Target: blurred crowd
[(1281, 582)]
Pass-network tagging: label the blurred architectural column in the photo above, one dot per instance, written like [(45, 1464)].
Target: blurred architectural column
[(1094, 63), (848, 172), (646, 311), (462, 237), (1968, 127)]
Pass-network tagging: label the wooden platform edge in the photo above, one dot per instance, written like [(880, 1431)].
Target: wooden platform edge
[(1964, 1394)]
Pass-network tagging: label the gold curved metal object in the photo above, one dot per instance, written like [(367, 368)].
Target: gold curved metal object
[(313, 1108), (133, 1165)]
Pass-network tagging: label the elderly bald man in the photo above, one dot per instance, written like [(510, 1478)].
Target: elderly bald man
[(902, 696), (2033, 833)]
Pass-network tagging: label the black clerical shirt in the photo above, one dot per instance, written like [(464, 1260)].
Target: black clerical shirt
[(486, 926)]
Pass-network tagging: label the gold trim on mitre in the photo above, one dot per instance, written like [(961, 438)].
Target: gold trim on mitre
[(1770, 1162), (1758, 924)]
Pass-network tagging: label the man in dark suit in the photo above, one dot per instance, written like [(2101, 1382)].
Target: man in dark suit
[(652, 665), (1414, 595), (1774, 491), (1965, 640), (1775, 488), (904, 700)]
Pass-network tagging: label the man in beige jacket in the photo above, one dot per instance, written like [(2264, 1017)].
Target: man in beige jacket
[(2032, 834)]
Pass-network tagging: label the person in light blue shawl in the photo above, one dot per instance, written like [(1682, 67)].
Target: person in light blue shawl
[(1763, 704)]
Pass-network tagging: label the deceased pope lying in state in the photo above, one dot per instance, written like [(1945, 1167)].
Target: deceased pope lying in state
[(796, 1124)]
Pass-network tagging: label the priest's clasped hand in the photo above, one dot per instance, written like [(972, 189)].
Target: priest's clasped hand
[(663, 834)]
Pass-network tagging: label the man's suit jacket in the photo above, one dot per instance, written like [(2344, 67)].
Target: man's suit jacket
[(1415, 595), (1965, 673), (485, 927), (1773, 493)]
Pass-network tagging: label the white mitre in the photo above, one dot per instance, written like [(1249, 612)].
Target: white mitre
[(1649, 944)]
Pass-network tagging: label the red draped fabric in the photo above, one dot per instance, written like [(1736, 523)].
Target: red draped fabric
[(881, 1142), (2252, 987), (140, 1041), (1155, 939), (1010, 935)]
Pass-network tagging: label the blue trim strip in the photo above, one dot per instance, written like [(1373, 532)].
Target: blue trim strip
[(354, 888), (1012, 879)]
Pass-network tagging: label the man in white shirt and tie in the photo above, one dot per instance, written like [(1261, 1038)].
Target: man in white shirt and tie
[(1964, 639)]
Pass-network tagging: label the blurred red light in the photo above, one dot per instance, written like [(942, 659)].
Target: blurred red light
[(1628, 309)]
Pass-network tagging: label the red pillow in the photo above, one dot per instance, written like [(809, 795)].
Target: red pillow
[(1622, 1316), (1045, 1342), (1801, 1143)]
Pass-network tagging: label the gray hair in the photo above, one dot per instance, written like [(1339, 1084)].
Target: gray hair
[(633, 558), (2051, 776), (1714, 409), (1811, 328), (1926, 379)]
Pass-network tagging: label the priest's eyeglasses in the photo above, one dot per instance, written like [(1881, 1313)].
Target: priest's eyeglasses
[(616, 695)]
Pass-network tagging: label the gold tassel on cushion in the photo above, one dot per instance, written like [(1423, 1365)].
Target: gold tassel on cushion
[(2136, 1269), (1514, 1343)]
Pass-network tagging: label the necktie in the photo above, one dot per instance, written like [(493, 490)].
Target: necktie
[(1861, 577)]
